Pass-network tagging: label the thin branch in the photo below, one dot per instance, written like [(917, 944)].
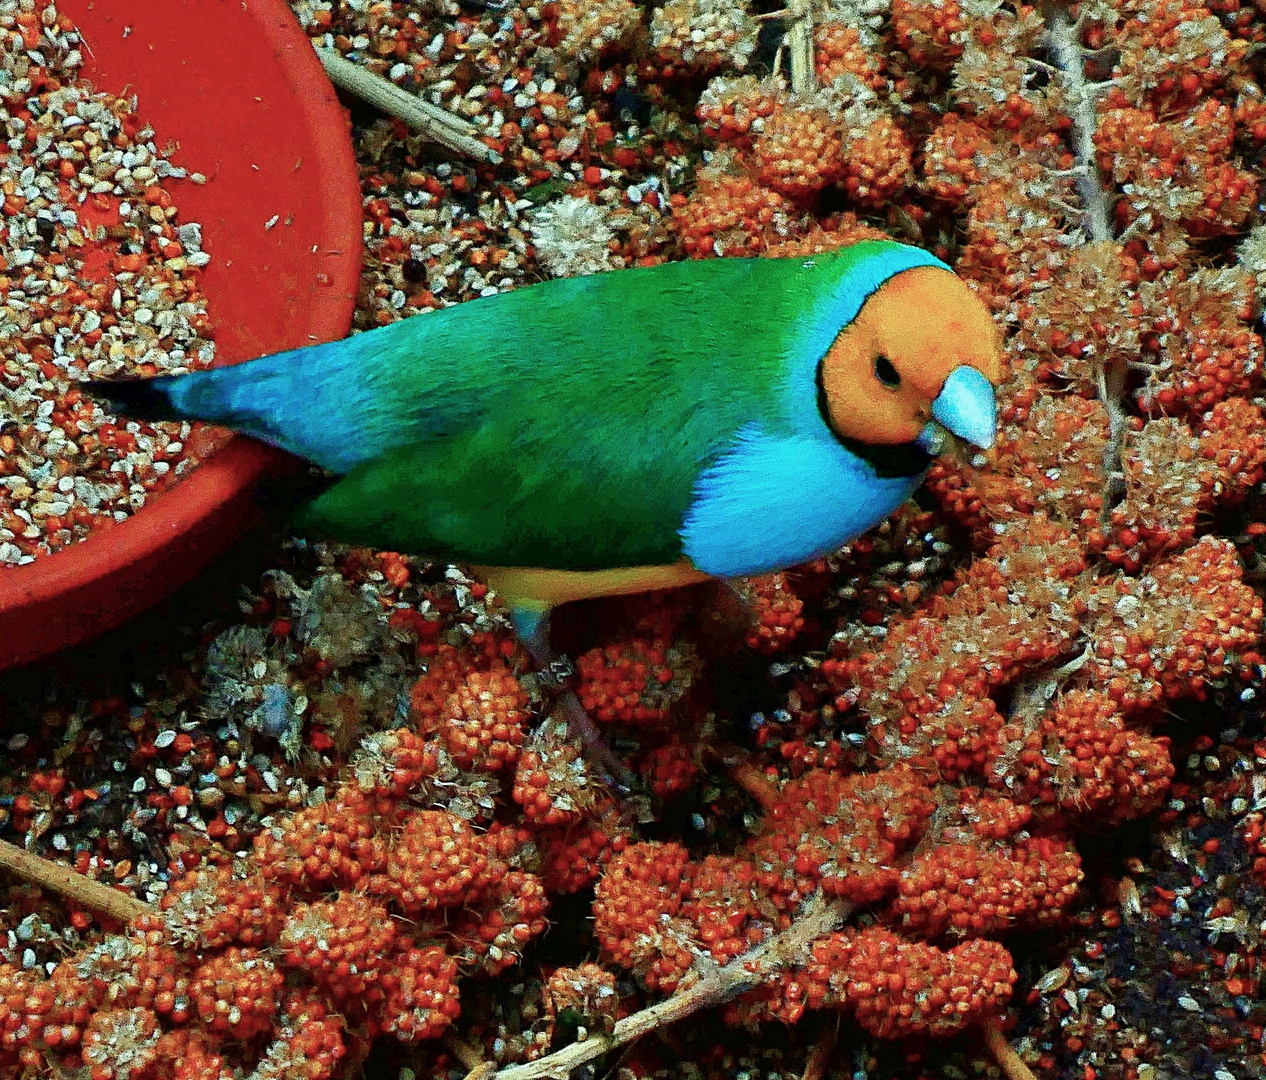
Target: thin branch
[(740, 974), (1008, 1060), (1065, 42), (755, 783), (579, 723), (780, 58), (799, 39), (430, 121), (1067, 207), (554, 675), (823, 1051), (1136, 227), (1111, 390), (69, 883), (468, 1056), (1030, 696), (1066, 48)]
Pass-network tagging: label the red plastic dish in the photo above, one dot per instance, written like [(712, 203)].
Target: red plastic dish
[(239, 88)]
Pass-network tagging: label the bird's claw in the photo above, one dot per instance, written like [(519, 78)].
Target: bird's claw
[(558, 676)]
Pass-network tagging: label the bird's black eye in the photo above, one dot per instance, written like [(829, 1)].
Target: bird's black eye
[(885, 372)]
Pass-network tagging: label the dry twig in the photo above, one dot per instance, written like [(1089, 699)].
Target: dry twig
[(430, 121), (1008, 1060), (799, 42), (1064, 38), (1065, 44), (740, 974), (68, 883), (755, 783)]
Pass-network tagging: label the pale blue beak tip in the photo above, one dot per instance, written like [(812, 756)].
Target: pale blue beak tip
[(966, 406)]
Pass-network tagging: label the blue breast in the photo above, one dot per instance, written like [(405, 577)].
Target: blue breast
[(775, 500), (772, 502)]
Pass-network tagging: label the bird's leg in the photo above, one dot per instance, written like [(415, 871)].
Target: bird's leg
[(532, 625), (728, 615)]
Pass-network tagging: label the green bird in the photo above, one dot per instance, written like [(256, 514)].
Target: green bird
[(632, 430)]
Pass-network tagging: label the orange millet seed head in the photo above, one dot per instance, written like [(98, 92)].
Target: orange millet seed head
[(342, 944), (422, 994), (235, 992), (122, 1044), (436, 861), (484, 720)]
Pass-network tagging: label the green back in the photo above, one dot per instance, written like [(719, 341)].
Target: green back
[(564, 425)]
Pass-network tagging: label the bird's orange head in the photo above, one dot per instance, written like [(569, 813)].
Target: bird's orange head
[(923, 354)]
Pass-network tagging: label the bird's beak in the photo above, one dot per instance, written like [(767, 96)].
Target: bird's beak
[(965, 407)]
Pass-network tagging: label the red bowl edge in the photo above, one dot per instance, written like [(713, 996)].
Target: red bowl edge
[(69, 597)]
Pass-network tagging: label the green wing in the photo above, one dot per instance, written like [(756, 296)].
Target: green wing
[(564, 426)]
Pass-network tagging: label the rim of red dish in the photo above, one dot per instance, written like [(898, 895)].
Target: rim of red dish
[(237, 465)]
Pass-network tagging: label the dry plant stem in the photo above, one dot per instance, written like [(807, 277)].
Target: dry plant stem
[(430, 121), (1069, 57), (753, 781), (1008, 1060), (68, 883), (579, 723), (823, 1051), (553, 668), (799, 42), (713, 988), (1111, 390), (1030, 696), (1065, 43), (468, 1056)]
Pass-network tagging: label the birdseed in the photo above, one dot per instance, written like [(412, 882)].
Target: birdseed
[(97, 278)]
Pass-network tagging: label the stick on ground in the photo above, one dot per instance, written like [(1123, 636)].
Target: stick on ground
[(1008, 1060), (740, 974), (68, 883), (430, 121)]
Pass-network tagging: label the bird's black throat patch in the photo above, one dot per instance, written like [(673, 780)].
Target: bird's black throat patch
[(889, 462)]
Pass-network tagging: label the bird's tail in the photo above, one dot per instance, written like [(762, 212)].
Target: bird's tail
[(305, 401), (263, 398), (169, 397)]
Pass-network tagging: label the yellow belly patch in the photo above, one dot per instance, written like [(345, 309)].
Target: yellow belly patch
[(530, 587)]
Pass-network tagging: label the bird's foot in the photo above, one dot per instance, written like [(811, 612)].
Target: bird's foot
[(557, 674), (599, 755)]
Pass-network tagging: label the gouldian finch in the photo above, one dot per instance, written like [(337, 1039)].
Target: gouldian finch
[(632, 430)]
